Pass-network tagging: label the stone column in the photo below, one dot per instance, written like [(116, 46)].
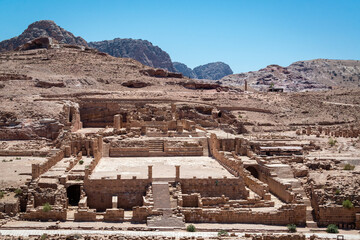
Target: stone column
[(177, 178), (114, 201), (117, 121), (246, 86), (150, 172), (67, 151), (143, 130)]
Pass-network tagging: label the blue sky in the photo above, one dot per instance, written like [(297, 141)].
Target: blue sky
[(248, 35)]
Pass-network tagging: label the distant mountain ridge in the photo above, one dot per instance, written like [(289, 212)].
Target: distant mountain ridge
[(314, 74), (211, 71), (140, 50)]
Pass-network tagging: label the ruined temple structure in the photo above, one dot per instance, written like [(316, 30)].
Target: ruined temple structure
[(157, 164), (164, 164)]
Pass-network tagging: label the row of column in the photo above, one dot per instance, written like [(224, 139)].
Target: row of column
[(177, 172)]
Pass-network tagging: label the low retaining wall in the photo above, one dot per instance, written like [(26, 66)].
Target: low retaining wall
[(288, 214)]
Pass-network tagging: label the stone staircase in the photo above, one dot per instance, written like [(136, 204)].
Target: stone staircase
[(161, 196), (156, 146), (310, 223)]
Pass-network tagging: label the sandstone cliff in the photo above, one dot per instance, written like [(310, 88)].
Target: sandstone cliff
[(43, 28)]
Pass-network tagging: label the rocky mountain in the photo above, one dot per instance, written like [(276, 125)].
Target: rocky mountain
[(140, 50), (303, 75), (43, 28), (212, 71), (185, 70)]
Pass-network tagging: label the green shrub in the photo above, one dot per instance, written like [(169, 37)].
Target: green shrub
[(348, 166), (347, 204), (332, 142), (332, 228), (44, 236), (291, 228), (337, 192), (81, 162), (191, 228), (2, 194), (17, 191), (223, 233), (46, 207)]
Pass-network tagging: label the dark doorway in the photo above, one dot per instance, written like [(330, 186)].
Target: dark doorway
[(253, 171), (73, 194)]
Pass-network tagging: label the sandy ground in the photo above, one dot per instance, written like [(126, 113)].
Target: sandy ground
[(15, 170), (163, 167)]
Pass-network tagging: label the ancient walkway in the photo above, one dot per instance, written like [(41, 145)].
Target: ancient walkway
[(161, 196), (176, 234)]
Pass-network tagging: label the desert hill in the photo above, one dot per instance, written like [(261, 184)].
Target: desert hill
[(315, 74)]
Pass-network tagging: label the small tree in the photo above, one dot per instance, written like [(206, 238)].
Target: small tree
[(81, 162), (191, 228), (347, 204), (291, 228), (332, 228), (46, 207), (2, 194)]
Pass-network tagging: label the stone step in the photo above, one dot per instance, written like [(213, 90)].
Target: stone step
[(311, 224)]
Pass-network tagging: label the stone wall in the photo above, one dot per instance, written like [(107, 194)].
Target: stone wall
[(130, 192), (38, 169), (343, 217), (233, 188), (85, 215), (288, 214), (55, 214), (114, 215)]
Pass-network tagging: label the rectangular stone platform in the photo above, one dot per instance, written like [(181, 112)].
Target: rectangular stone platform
[(163, 167)]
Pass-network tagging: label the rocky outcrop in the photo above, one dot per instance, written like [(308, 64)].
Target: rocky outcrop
[(41, 42), (316, 74), (160, 73), (43, 28), (48, 84), (135, 84), (212, 71), (140, 50)]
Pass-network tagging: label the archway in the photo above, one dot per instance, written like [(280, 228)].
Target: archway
[(73, 194), (253, 171)]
